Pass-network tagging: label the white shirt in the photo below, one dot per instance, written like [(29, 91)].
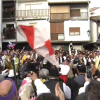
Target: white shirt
[(85, 61), (67, 91), (64, 69), (40, 87), (82, 89)]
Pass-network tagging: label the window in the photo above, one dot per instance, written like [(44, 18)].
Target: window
[(57, 31), (75, 13), (74, 31), (57, 27)]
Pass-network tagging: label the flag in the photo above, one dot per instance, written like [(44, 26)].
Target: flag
[(38, 39)]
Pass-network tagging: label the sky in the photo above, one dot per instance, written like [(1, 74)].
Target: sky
[(94, 3)]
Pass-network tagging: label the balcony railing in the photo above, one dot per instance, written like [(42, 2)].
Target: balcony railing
[(59, 16), (32, 14), (83, 15)]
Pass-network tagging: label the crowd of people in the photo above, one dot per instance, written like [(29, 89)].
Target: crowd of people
[(9, 12), (40, 80), (9, 33)]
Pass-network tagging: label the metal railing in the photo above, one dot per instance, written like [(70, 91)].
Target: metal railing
[(32, 14), (59, 16), (83, 15)]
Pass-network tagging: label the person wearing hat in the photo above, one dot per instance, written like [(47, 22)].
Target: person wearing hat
[(54, 78), (64, 71), (6, 61)]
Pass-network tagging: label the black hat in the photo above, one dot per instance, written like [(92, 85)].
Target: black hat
[(81, 67), (54, 72)]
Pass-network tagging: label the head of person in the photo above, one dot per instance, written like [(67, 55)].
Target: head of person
[(8, 90), (47, 96), (81, 68), (5, 53), (66, 62), (26, 52), (94, 87), (44, 74), (54, 72), (60, 54), (87, 96), (15, 55)]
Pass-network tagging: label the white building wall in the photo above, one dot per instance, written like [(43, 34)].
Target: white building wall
[(42, 22), (93, 31), (84, 27), (34, 5)]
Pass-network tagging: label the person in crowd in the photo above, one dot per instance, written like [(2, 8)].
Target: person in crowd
[(44, 75), (26, 56), (16, 62), (1, 76), (43, 81), (87, 96), (74, 86), (64, 70), (3, 72), (80, 78), (61, 59), (8, 90), (54, 76), (6, 61), (94, 87), (97, 61)]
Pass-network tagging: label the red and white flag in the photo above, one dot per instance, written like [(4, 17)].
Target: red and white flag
[(38, 39)]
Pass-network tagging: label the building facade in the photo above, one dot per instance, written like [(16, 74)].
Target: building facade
[(66, 20)]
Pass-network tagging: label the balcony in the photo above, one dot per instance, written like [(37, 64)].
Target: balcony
[(59, 16), (32, 14), (83, 16), (9, 33)]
